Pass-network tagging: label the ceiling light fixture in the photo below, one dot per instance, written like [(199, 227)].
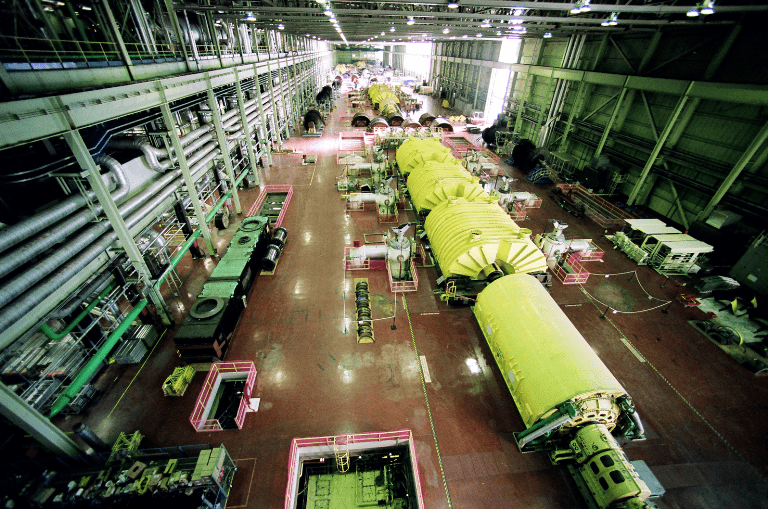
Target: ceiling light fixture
[(516, 21), (485, 24), (391, 29), (693, 13), (498, 32), (581, 6), (280, 27), (453, 4), (410, 21), (518, 11), (612, 20), (250, 17), (328, 11), (707, 7), (464, 36), (382, 33), (478, 35), (548, 35), (446, 30)]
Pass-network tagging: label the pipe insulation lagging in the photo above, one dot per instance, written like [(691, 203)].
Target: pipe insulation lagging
[(98, 284), (58, 232), (98, 242), (22, 230)]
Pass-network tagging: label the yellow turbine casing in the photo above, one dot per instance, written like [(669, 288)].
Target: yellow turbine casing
[(468, 237), (416, 151), (543, 358), (434, 182)]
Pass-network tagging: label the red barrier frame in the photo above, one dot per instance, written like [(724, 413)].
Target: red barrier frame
[(217, 370)]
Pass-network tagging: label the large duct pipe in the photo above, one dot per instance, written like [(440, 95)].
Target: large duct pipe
[(98, 284), (91, 237), (59, 232), (12, 235)]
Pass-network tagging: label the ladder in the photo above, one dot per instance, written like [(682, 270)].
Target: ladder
[(342, 455)]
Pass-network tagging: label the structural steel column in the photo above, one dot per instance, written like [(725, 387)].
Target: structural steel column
[(608, 126), (762, 135), (658, 147), (214, 37), (222, 139), (119, 39), (191, 189), (263, 134), (177, 30), (678, 204), (246, 127), (275, 112), (36, 424), (86, 162)]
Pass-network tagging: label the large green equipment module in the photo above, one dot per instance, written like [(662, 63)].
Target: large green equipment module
[(207, 331)]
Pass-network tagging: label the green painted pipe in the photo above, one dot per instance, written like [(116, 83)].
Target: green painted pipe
[(96, 360), (55, 336), (192, 238)]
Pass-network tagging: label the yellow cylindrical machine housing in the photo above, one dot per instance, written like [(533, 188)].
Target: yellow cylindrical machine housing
[(434, 182), (543, 358), (468, 237), (416, 151)]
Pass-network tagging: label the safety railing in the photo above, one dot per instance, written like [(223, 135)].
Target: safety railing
[(388, 218), (219, 370), (518, 212), (357, 438), (595, 253), (273, 189), (571, 272), (404, 286), (28, 53), (600, 210), (353, 264)]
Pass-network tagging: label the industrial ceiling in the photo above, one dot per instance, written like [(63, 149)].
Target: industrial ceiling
[(404, 20)]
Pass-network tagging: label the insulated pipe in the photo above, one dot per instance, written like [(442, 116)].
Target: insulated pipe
[(151, 154), (72, 224), (55, 336), (95, 362), (97, 285), (28, 279), (53, 236), (22, 230)]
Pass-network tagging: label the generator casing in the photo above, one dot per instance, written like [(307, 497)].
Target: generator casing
[(543, 358)]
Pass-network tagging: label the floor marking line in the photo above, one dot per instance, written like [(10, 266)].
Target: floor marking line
[(632, 349), (149, 356), (425, 368), (429, 409), (688, 403)]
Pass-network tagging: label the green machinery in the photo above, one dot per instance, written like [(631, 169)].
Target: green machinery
[(206, 332), (177, 476)]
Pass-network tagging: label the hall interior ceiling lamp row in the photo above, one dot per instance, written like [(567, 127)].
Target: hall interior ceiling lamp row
[(495, 18)]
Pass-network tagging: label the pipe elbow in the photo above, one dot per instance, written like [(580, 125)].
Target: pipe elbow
[(123, 187)]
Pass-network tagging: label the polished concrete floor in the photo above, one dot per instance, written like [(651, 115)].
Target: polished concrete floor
[(705, 416)]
